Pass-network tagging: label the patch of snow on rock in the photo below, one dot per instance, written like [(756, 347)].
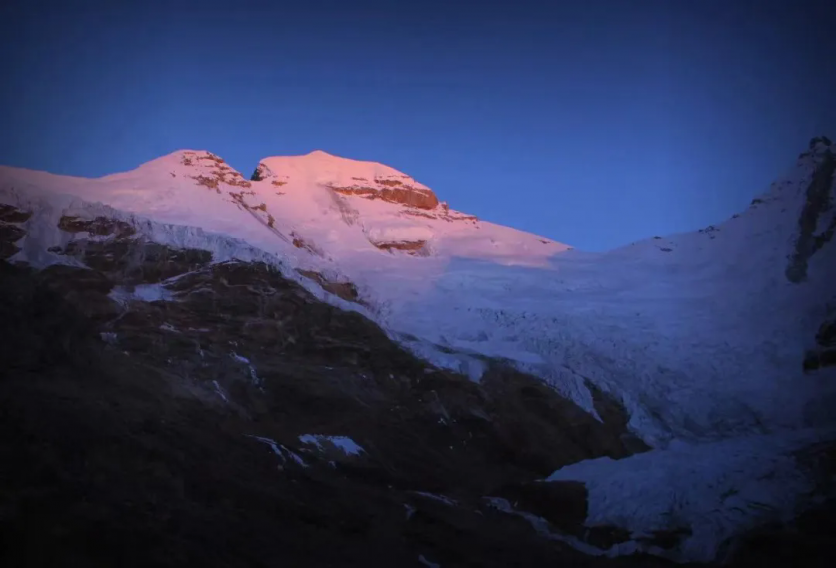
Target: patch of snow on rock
[(344, 443)]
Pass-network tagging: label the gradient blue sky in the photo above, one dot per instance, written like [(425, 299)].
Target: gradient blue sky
[(593, 123)]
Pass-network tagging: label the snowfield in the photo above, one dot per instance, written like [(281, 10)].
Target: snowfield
[(700, 335)]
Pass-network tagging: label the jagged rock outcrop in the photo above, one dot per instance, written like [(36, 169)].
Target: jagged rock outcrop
[(9, 214), (263, 172), (302, 243), (824, 352), (123, 258), (216, 171), (9, 235), (819, 200), (345, 290), (100, 226), (415, 248), (393, 191), (10, 231), (444, 214)]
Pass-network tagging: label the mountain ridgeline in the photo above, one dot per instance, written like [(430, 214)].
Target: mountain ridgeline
[(326, 365)]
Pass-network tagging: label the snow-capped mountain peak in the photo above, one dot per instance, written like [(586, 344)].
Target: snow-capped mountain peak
[(709, 343), (200, 165), (340, 212)]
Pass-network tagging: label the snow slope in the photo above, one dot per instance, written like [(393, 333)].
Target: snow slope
[(701, 335)]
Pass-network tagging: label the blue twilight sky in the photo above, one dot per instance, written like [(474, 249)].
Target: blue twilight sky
[(593, 123)]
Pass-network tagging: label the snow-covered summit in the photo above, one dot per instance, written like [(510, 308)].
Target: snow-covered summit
[(321, 167), (325, 211), (371, 180), (183, 161)]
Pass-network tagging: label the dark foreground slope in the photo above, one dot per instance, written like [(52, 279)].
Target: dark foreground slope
[(151, 408), (111, 456)]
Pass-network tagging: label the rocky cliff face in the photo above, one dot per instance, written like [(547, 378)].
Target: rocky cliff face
[(393, 191), (823, 353), (216, 171), (817, 221), (10, 231)]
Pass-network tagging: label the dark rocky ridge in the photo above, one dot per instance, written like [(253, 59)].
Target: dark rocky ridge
[(819, 198)]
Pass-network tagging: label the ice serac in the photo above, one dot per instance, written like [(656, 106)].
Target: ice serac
[(370, 180)]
